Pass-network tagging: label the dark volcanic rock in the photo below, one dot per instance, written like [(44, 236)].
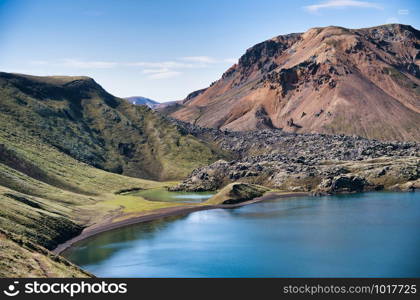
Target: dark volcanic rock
[(319, 163), (345, 183)]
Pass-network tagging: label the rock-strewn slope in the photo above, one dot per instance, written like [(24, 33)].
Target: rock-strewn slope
[(327, 80), (314, 147), (306, 162), (324, 177)]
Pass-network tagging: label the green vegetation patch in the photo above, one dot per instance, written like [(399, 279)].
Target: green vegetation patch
[(78, 118), (402, 80), (163, 195), (22, 258)]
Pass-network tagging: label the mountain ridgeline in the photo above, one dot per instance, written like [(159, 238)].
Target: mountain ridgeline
[(78, 117), (332, 80)]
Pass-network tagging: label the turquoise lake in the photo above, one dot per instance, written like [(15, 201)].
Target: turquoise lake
[(359, 235)]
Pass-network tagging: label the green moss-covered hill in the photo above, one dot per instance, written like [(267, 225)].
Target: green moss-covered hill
[(79, 118), (66, 148)]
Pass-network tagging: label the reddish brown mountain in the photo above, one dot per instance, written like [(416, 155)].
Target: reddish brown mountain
[(362, 82)]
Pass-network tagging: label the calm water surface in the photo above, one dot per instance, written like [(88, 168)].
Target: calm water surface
[(163, 195), (363, 235)]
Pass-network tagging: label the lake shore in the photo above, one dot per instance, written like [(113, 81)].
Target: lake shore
[(109, 225), (246, 242)]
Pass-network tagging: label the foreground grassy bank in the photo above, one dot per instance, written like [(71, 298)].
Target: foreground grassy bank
[(48, 197), (38, 214)]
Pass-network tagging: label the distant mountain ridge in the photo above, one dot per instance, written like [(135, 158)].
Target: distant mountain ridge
[(332, 80), (138, 100)]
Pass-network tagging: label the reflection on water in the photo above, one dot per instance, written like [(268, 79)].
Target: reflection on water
[(161, 194), (372, 234), (115, 240), (195, 196)]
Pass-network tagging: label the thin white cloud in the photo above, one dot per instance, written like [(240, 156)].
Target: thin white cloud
[(392, 20), (231, 60), (39, 62), (200, 59), (162, 73), (207, 60), (183, 63), (165, 75), (84, 64), (162, 64), (153, 70), (403, 12), (78, 64), (341, 4)]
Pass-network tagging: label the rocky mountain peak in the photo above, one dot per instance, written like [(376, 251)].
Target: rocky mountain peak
[(327, 80)]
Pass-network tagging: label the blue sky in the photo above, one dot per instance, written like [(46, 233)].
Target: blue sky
[(164, 49)]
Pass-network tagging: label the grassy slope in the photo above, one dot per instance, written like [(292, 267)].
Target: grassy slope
[(81, 119), (22, 258), (53, 131), (50, 209)]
